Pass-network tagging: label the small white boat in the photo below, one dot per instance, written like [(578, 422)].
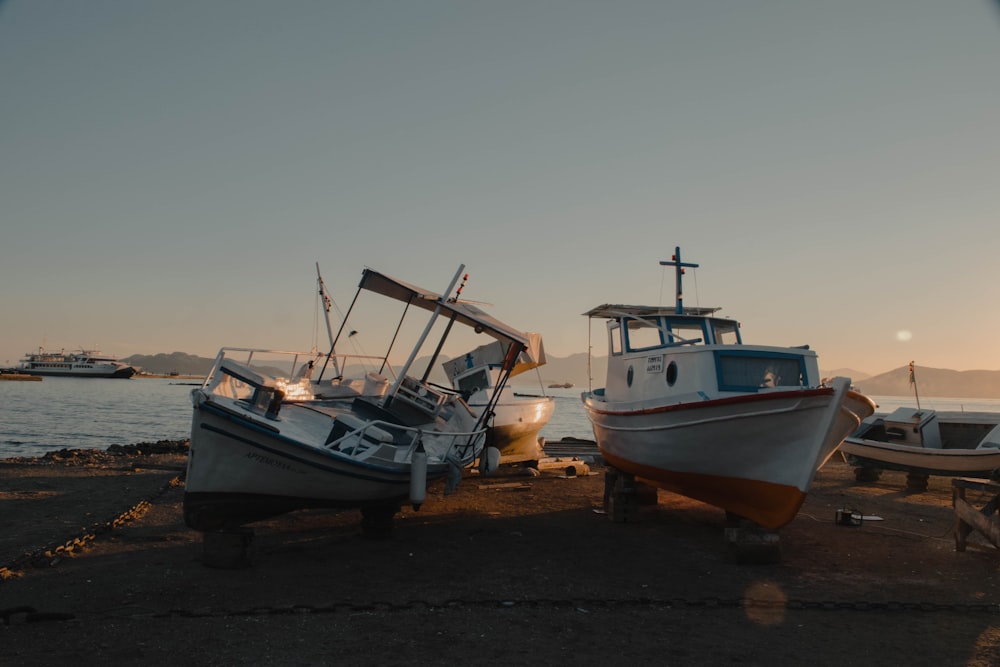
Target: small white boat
[(690, 408), (81, 363), (263, 444), (516, 419), (925, 442)]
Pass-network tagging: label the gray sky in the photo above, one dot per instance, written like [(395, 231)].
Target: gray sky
[(171, 171)]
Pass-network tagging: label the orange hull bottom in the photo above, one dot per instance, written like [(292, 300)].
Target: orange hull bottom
[(767, 504)]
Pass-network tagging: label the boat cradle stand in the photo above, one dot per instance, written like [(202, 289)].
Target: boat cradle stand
[(968, 518), (623, 495), (747, 542), (751, 543)]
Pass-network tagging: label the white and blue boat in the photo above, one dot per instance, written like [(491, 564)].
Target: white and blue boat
[(267, 439), (925, 443), (689, 407)]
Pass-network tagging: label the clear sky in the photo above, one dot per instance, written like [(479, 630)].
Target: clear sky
[(171, 171)]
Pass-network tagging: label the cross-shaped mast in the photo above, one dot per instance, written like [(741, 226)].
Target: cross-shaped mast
[(676, 262)]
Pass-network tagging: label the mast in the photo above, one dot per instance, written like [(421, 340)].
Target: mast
[(679, 268), (913, 381), (326, 317)]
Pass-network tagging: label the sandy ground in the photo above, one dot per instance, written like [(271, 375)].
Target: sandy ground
[(511, 569)]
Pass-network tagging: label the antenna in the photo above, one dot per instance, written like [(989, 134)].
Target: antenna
[(676, 262)]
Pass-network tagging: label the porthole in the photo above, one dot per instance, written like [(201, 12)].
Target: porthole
[(672, 373), (631, 374)]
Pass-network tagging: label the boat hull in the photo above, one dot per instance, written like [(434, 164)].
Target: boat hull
[(919, 460), (117, 373), (515, 427), (927, 442), (753, 455), (266, 474)]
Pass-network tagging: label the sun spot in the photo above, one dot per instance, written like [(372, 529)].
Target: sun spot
[(765, 603), (903, 335)]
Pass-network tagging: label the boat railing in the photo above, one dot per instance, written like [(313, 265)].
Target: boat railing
[(356, 438), (298, 364)]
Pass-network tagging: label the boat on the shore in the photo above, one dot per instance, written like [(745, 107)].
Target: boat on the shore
[(515, 419), (690, 408), (81, 363), (263, 444), (925, 443)]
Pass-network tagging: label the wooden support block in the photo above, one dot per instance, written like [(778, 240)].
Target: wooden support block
[(749, 542), (968, 518)]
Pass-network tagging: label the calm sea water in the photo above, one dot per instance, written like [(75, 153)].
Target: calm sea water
[(77, 413), (89, 413)]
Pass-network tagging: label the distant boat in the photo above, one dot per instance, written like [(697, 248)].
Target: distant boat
[(81, 363), (11, 375), (690, 408), (561, 385)]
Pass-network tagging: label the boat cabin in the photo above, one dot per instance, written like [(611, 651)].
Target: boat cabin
[(477, 370), (657, 351), (908, 426)]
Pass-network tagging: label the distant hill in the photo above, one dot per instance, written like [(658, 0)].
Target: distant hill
[(175, 362), (939, 382), (180, 363), (856, 376), (572, 369)]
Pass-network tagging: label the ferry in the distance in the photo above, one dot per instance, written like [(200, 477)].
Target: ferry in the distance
[(81, 363)]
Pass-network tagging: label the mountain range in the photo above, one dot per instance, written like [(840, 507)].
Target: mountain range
[(939, 382)]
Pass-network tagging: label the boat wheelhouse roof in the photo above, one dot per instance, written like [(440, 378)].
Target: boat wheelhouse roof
[(463, 312), (614, 311)]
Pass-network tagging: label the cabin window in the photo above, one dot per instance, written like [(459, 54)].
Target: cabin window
[(470, 384), (727, 333), (686, 332), (615, 339), (751, 371), (643, 335)]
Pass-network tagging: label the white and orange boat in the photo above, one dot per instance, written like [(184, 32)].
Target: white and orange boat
[(688, 407), (514, 419)]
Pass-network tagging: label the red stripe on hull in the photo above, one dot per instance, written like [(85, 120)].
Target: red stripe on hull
[(729, 400)]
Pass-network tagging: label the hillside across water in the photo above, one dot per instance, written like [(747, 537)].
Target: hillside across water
[(576, 370)]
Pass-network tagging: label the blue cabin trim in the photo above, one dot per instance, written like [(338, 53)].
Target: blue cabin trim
[(753, 370)]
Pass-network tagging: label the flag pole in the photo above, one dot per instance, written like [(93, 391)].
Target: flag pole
[(913, 381)]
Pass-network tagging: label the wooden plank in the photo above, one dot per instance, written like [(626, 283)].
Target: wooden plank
[(985, 525), (977, 484), (962, 529)]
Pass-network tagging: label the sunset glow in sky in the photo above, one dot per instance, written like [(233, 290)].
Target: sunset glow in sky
[(171, 171)]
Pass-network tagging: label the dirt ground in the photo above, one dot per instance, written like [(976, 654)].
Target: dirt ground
[(510, 569)]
